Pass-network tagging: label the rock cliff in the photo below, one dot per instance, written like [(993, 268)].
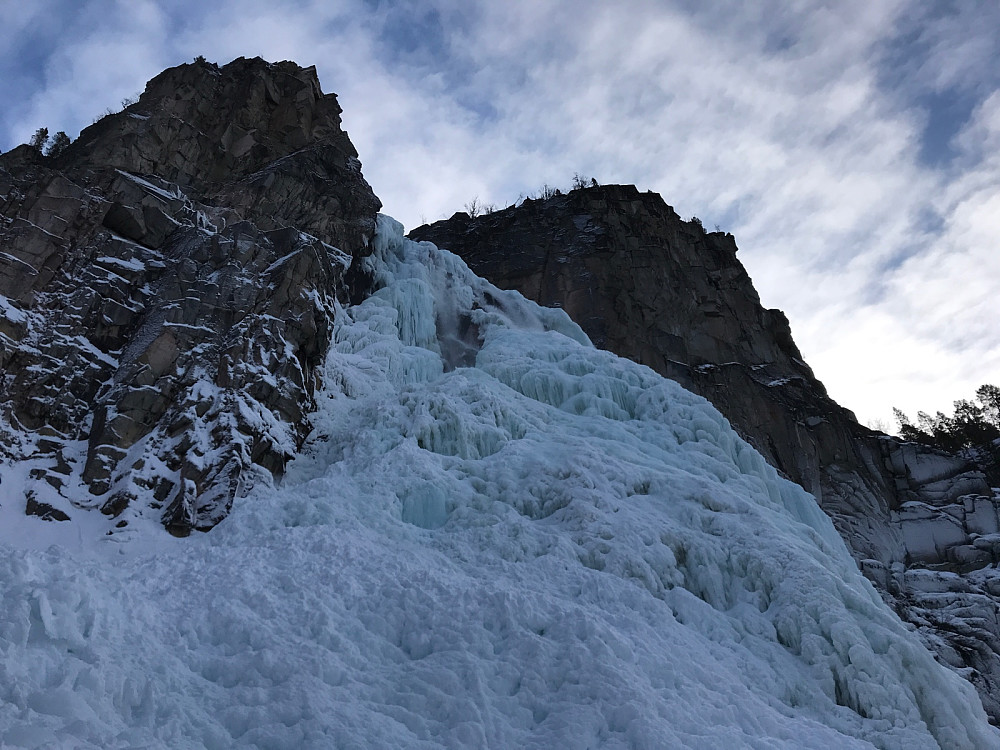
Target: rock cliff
[(167, 287), (646, 285)]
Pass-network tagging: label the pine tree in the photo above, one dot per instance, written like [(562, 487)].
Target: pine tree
[(39, 139), (59, 143), (973, 430), (988, 397)]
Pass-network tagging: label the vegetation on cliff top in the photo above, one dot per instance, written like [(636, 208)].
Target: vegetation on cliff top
[(973, 429)]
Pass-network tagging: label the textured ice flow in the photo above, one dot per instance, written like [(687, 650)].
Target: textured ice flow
[(498, 536)]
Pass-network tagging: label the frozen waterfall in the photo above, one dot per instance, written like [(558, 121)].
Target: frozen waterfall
[(497, 536)]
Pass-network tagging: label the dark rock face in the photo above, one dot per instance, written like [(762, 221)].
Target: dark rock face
[(259, 138), (167, 286), (663, 292), (43, 510)]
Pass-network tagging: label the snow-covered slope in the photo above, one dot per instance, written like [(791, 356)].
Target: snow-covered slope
[(497, 536)]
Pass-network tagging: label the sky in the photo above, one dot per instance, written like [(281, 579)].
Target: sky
[(852, 147)]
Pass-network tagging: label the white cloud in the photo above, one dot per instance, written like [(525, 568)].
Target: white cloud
[(110, 59)]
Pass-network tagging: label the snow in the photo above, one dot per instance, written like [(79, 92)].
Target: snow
[(130, 264), (496, 536), (282, 259), (15, 259), (173, 324), (82, 343), (169, 195), (10, 312), (21, 532)]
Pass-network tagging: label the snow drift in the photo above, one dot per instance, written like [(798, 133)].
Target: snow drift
[(497, 536)]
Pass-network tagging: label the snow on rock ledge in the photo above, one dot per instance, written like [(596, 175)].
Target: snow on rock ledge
[(496, 536)]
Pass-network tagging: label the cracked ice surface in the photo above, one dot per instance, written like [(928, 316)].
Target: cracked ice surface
[(497, 536)]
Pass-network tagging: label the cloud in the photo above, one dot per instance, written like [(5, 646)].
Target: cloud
[(100, 53), (802, 128)]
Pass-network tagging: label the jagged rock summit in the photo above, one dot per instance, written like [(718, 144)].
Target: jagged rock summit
[(923, 526), (170, 280)]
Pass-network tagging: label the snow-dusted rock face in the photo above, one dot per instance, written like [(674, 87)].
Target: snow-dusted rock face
[(664, 292), (167, 288)]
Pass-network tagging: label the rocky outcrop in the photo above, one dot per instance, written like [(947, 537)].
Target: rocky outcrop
[(666, 293), (258, 138), (167, 286)]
